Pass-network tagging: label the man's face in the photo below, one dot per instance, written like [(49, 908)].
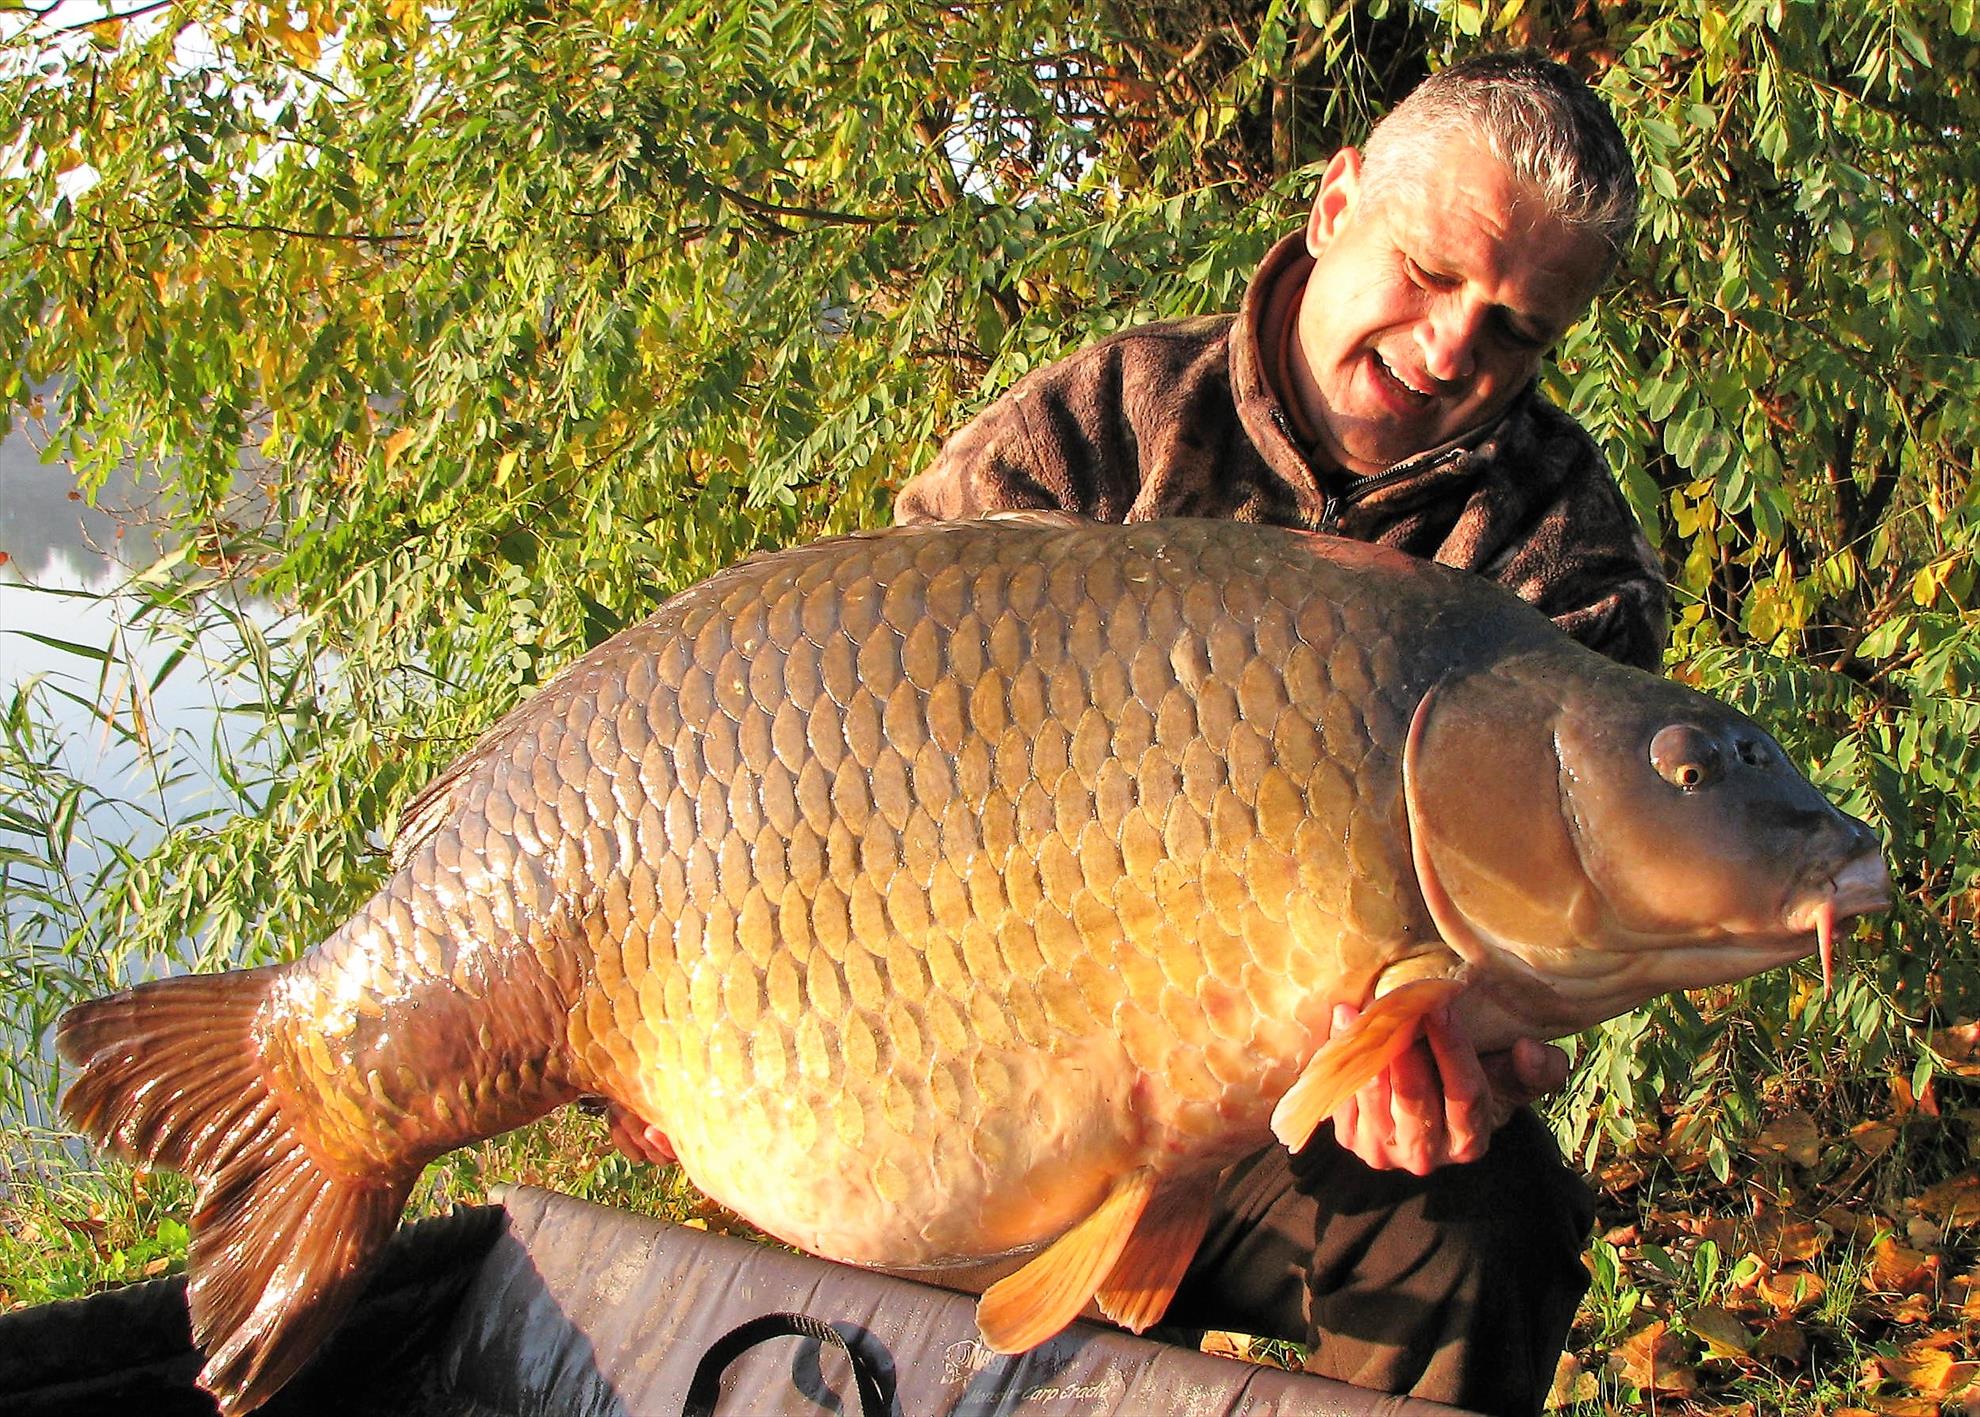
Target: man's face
[(1423, 319)]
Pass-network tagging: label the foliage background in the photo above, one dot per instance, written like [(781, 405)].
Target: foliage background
[(465, 338)]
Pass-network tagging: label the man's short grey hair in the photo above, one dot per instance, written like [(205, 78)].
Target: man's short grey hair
[(1536, 117)]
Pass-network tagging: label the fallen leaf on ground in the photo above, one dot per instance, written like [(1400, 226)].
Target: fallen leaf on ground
[(1899, 1269), (1964, 1291), (1954, 1202), (1723, 1334), (1793, 1137), (1959, 1045), (1573, 1383), (1904, 1407), (1621, 1176), (1655, 1360), (1783, 1340), (1791, 1290), (1903, 1310), (1874, 1138), (1864, 1229), (1721, 1230), (1904, 1102), (1928, 1366), (1923, 1234), (1782, 1239)]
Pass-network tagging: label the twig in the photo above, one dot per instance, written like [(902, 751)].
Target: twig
[(76, 26)]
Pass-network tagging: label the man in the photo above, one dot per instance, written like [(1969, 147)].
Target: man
[(1379, 382)]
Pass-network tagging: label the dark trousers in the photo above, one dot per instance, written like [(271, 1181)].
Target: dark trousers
[(1458, 1287)]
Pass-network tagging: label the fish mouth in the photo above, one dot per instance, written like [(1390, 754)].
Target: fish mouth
[(1861, 887)]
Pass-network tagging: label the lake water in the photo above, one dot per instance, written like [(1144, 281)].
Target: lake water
[(65, 560)]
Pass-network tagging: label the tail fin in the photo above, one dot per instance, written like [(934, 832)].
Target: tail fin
[(168, 1074)]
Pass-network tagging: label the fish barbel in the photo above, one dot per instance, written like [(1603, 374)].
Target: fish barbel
[(950, 892)]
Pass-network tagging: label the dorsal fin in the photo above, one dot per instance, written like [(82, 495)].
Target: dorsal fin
[(1041, 517)]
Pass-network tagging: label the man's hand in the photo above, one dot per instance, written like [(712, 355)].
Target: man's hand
[(635, 1139), (1440, 1103)]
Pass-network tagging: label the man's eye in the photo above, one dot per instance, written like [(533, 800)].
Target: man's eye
[(1429, 280), (1518, 338)]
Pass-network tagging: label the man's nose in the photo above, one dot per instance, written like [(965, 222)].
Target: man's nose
[(1448, 337)]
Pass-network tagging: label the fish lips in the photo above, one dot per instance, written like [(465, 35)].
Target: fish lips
[(1862, 886)]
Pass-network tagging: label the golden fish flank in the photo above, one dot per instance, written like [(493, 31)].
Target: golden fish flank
[(950, 892)]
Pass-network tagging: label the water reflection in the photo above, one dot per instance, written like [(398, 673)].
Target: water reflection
[(68, 618), (53, 537)]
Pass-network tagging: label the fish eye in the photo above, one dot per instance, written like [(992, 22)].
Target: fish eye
[(1686, 756)]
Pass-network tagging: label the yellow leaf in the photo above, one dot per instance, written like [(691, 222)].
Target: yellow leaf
[(1904, 1406), (1926, 1366), (304, 45), (1223, 1344), (506, 466), (395, 444)]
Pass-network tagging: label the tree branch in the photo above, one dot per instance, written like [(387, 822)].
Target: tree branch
[(77, 26), (367, 238), (756, 207)]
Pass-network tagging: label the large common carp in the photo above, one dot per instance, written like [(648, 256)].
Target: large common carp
[(948, 892)]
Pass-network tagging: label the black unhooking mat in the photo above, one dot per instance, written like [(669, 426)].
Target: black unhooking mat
[(544, 1306)]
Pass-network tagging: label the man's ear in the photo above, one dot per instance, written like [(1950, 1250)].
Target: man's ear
[(1340, 189)]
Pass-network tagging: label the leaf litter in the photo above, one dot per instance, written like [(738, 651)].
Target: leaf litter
[(1836, 1272)]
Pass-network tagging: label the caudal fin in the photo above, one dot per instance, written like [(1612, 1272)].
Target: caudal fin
[(168, 1074)]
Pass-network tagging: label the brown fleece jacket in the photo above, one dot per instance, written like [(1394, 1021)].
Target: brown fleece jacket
[(1179, 420)]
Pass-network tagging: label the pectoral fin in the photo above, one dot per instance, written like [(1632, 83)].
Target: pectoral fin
[(1024, 1309), (1357, 1056), (1143, 1280)]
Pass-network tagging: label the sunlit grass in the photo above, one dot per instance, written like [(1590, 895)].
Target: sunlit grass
[(68, 1228), (71, 1224)]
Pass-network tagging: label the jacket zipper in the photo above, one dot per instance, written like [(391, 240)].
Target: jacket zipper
[(1360, 487)]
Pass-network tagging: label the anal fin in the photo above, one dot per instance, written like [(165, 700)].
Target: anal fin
[(1022, 1310), (1137, 1290), (1357, 1056)]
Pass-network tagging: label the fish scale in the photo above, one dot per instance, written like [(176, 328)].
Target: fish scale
[(945, 893)]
